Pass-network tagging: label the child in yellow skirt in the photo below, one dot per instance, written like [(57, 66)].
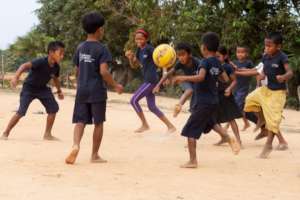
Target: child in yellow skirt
[(268, 101)]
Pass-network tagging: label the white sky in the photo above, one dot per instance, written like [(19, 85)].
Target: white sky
[(17, 17)]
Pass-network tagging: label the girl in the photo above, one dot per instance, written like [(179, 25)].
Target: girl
[(143, 58)]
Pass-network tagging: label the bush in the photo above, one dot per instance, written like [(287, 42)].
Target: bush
[(292, 103)]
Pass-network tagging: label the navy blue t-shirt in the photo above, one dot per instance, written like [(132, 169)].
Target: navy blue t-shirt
[(206, 92), (189, 70), (243, 83), (40, 74), (148, 67), (229, 70), (273, 66), (88, 58)]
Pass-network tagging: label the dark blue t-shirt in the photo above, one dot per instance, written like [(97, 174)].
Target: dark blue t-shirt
[(40, 74), (273, 66), (243, 83), (206, 92), (189, 70), (148, 67), (90, 85), (229, 70)]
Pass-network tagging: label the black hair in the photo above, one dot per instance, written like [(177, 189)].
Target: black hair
[(276, 37), (243, 46), (184, 46), (211, 41), (223, 50), (92, 21), (55, 45)]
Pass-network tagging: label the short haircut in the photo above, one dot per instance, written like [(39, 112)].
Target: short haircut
[(211, 41), (276, 37), (243, 46), (92, 21), (223, 50), (184, 47), (55, 45)]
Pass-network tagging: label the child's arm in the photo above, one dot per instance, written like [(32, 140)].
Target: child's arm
[(24, 67), (107, 77), (224, 77), (163, 79), (59, 92), (195, 78), (287, 76), (133, 61), (230, 88), (246, 72)]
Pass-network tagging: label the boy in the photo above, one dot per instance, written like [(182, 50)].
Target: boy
[(189, 65), (91, 60), (41, 70), (243, 83), (203, 117), (268, 101)]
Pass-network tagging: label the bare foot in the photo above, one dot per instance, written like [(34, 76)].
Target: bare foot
[(177, 110), (262, 134), (142, 129), (171, 129), (50, 138), (282, 147), (190, 164), (227, 126), (97, 159), (72, 156), (266, 152), (4, 137), (235, 146), (246, 126), (222, 141)]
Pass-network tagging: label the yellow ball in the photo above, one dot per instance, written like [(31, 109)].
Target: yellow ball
[(164, 56)]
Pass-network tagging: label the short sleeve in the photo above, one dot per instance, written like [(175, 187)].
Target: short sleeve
[(204, 65), (36, 63), (105, 56), (284, 58), (76, 58), (177, 66)]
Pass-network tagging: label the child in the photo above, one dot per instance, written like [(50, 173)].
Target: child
[(41, 71), (228, 109), (91, 60), (144, 59), (203, 118), (189, 65), (243, 83), (268, 101)]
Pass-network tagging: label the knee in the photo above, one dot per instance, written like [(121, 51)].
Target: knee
[(153, 108)]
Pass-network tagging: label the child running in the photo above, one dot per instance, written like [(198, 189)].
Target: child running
[(189, 65), (268, 101), (228, 109), (41, 71), (91, 60), (203, 117), (143, 58)]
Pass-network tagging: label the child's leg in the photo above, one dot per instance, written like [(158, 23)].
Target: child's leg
[(283, 145), (192, 163), (154, 109), (78, 133), (235, 130), (246, 122), (49, 125), (268, 146), (223, 133), (97, 138), (184, 97), (13, 121)]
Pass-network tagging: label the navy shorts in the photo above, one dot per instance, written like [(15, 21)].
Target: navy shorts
[(240, 97), (202, 120), (89, 113), (186, 86), (45, 96)]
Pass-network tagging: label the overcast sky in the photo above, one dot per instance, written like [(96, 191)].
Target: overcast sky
[(17, 17)]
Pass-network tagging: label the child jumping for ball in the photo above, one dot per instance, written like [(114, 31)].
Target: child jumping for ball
[(41, 71), (189, 65), (144, 59), (268, 101), (91, 60), (203, 117)]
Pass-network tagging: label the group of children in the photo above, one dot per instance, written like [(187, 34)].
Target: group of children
[(218, 89)]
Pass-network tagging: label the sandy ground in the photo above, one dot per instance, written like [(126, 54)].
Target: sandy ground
[(141, 166)]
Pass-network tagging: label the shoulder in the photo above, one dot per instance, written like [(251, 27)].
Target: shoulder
[(38, 61), (283, 56)]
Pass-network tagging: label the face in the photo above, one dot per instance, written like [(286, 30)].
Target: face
[(140, 40), (203, 50), (183, 57), (57, 55), (221, 57), (270, 47), (100, 33), (241, 53)]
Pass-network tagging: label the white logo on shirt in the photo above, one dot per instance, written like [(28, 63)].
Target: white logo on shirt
[(275, 65), (86, 58), (145, 56), (214, 71)]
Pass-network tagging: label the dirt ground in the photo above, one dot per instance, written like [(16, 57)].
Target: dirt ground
[(141, 166)]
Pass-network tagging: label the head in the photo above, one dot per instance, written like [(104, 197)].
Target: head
[(210, 43), (242, 52), (93, 23), (184, 53), (56, 51), (273, 42), (141, 37), (222, 54)]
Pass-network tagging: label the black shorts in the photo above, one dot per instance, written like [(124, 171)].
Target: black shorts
[(89, 113), (45, 96), (202, 120), (228, 109)]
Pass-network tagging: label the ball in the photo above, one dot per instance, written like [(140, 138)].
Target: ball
[(164, 56)]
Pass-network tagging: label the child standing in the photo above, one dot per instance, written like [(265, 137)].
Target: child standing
[(91, 60), (42, 70), (144, 59), (268, 101), (189, 65), (203, 117)]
